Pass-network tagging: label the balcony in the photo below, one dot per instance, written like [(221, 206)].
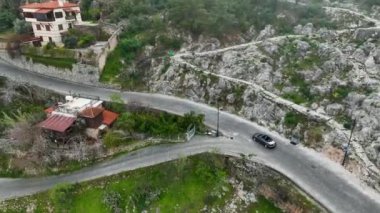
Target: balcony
[(46, 19)]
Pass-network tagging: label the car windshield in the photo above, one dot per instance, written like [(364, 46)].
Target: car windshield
[(267, 138)]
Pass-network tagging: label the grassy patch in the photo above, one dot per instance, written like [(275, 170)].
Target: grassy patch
[(181, 186), (314, 137), (339, 93), (5, 171), (126, 51), (295, 97), (185, 185), (113, 66), (66, 63), (263, 205), (292, 119)]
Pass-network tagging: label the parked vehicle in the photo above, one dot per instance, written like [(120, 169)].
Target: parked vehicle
[(264, 140), (294, 140)]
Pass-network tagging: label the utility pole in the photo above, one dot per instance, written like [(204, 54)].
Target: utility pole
[(217, 124), (349, 142)]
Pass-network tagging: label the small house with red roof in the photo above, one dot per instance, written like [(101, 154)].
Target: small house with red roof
[(62, 116), (51, 18)]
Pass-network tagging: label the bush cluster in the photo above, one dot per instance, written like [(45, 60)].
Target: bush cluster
[(158, 124), (292, 119), (78, 39), (219, 17)]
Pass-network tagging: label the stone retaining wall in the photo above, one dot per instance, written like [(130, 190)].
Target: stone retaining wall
[(80, 73), (109, 47)]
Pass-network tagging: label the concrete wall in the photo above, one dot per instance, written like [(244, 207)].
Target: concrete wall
[(109, 47), (81, 73)]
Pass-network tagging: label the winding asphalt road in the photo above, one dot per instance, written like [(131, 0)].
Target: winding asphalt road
[(327, 182)]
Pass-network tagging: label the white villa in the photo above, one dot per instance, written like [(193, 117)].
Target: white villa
[(51, 18)]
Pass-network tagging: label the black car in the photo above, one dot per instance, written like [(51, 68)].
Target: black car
[(265, 140)]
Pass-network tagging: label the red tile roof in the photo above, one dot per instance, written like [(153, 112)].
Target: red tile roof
[(109, 117), (71, 10), (59, 123), (53, 4), (91, 112)]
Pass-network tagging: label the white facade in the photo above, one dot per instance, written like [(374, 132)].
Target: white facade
[(50, 19)]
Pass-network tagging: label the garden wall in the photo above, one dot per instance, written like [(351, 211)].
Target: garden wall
[(109, 47), (80, 73)]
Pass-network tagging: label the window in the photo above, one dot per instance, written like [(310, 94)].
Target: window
[(70, 26), (38, 27), (58, 15), (60, 27), (28, 15), (47, 27), (50, 40)]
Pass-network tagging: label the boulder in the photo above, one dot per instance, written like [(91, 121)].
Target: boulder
[(230, 98), (363, 34), (270, 48), (267, 32), (308, 29), (359, 55), (372, 152), (334, 109), (297, 29), (302, 47)]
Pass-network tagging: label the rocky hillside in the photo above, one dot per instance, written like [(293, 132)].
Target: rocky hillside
[(312, 84)]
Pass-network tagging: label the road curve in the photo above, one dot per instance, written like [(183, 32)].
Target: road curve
[(327, 182)]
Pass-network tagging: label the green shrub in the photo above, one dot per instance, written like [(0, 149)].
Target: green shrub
[(170, 42), (112, 200), (75, 38), (340, 93), (22, 27), (159, 124), (113, 139), (66, 63), (62, 197), (345, 120), (295, 97), (129, 47), (86, 40), (70, 42), (49, 46), (6, 19), (292, 119)]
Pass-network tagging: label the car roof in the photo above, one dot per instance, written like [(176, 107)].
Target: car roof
[(262, 136), (267, 138)]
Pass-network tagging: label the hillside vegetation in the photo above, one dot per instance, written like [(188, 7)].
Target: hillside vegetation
[(204, 183), (166, 25)]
